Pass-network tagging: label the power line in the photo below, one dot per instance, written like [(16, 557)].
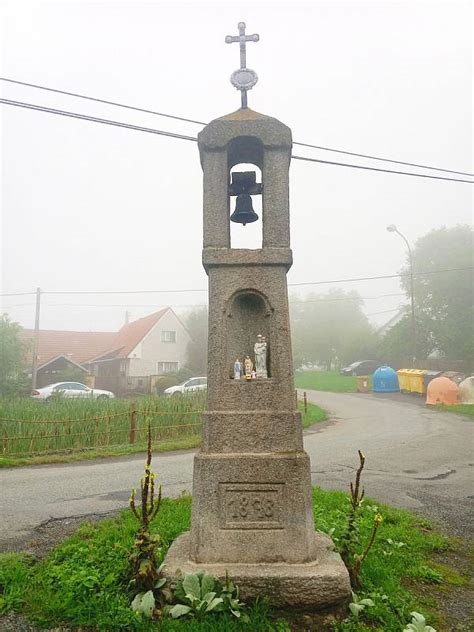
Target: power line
[(345, 298), (194, 121), (154, 305), (402, 173), (94, 119), (385, 276), (398, 162), (386, 311), (151, 130), (184, 290), (19, 294), (88, 98)]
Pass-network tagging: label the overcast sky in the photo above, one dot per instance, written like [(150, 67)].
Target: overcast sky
[(88, 207)]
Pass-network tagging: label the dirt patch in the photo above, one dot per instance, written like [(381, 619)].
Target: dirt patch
[(48, 534), (452, 600)]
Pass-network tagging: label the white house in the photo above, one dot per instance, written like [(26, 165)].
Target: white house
[(150, 346), (153, 345)]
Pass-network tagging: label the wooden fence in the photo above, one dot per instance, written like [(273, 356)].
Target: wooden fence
[(31, 436)]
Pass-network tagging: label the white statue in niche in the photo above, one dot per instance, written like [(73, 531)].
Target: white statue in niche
[(237, 369), (260, 350)]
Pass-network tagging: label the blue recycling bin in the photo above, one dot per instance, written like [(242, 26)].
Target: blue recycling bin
[(385, 380)]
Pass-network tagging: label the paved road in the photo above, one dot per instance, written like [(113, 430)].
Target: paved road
[(416, 458)]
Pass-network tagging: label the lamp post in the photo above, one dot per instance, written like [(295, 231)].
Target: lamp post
[(393, 229)]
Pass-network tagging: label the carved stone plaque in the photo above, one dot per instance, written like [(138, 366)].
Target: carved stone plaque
[(251, 505)]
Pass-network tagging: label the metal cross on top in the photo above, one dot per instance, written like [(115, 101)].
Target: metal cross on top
[(243, 79)]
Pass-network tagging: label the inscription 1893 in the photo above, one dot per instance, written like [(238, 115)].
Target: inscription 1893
[(251, 505)]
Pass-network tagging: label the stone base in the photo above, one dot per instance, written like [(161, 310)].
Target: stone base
[(317, 585)]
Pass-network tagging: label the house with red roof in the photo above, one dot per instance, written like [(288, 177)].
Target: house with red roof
[(122, 360)]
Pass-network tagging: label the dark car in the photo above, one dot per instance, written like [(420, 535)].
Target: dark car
[(362, 367)]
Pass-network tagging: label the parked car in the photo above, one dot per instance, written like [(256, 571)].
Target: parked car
[(70, 390), (361, 367), (190, 386)]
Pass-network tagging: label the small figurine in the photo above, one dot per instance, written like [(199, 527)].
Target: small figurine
[(237, 369), (260, 350), (254, 375), (248, 365)]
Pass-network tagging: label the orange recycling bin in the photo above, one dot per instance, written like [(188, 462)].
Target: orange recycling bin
[(362, 383), (442, 390)]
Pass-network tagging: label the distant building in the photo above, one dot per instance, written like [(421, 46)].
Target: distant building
[(394, 320), (123, 360)]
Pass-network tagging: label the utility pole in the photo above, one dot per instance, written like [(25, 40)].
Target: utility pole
[(34, 366)]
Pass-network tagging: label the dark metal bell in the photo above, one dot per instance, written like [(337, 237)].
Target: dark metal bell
[(244, 213)]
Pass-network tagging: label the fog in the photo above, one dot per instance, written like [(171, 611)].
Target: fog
[(93, 208)]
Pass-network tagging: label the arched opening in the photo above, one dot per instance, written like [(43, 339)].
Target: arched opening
[(249, 235), (245, 157), (248, 316)]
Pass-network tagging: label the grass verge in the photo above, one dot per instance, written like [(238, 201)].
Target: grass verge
[(329, 381), (83, 581), (463, 409), (314, 414), (183, 443)]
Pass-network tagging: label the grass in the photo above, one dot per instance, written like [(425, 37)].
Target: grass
[(83, 581), (60, 449), (463, 409), (28, 427), (326, 381), (314, 414), (183, 443)]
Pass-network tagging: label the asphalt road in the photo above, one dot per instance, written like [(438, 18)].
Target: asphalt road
[(415, 458)]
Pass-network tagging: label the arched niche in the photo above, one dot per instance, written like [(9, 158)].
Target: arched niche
[(249, 313)]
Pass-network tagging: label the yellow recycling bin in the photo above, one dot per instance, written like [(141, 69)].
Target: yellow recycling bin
[(417, 382), (404, 379)]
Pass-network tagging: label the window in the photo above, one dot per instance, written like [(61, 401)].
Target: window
[(166, 367), (168, 336)]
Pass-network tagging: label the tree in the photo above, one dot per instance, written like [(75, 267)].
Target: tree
[(396, 347), (12, 354), (196, 324), (444, 301), (330, 329)]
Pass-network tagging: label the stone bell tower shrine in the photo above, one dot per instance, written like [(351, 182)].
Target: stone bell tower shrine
[(252, 507)]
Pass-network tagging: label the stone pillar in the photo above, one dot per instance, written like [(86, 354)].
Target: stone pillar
[(252, 508)]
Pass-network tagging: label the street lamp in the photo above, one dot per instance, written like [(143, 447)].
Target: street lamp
[(393, 229)]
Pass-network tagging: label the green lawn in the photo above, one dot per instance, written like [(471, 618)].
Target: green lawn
[(326, 381), (314, 414), (84, 581), (464, 409)]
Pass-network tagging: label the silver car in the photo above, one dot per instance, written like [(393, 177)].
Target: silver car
[(190, 386), (70, 390)]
